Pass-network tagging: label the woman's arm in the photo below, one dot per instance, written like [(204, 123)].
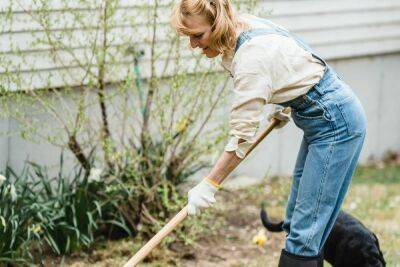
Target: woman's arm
[(226, 163)]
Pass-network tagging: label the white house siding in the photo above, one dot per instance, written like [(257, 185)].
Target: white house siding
[(40, 70), (360, 39), (336, 29)]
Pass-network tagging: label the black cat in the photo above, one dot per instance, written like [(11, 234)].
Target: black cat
[(350, 243)]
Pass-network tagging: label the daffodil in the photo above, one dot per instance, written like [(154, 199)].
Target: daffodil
[(36, 228), (260, 238)]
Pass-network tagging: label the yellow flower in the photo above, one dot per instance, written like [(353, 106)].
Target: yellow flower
[(182, 124), (260, 238), (36, 228)]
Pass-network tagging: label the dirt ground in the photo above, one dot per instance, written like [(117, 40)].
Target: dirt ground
[(373, 198), (230, 245), (234, 246)]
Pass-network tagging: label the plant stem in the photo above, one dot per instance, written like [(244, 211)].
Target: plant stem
[(105, 136)]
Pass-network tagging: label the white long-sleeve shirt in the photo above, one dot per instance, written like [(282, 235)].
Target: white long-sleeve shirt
[(266, 69)]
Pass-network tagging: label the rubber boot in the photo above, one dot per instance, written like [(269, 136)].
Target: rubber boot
[(290, 260), (321, 259)]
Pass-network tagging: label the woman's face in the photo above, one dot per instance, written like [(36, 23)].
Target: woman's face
[(200, 35)]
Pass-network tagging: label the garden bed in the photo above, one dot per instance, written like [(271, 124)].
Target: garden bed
[(234, 221)]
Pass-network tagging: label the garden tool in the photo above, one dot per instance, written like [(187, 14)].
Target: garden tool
[(155, 240)]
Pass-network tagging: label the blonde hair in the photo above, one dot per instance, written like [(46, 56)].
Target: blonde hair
[(218, 13)]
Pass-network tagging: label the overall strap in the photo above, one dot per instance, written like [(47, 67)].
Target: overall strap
[(274, 29)]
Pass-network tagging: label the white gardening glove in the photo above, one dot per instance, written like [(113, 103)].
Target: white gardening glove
[(201, 196), (277, 113)]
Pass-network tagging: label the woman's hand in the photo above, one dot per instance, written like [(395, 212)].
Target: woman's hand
[(277, 113), (201, 196)]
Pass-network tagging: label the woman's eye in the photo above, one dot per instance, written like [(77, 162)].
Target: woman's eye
[(198, 35)]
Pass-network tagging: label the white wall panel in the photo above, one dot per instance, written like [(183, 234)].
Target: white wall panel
[(336, 29), (360, 38), (309, 7)]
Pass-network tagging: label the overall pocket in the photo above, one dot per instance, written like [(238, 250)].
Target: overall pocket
[(315, 120), (353, 116), (312, 112)]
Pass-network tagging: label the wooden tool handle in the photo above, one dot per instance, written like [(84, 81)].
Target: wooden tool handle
[(155, 240), (178, 218), (269, 128)]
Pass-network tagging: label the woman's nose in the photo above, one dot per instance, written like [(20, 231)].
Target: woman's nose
[(193, 42)]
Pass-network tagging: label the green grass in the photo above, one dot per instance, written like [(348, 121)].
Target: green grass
[(383, 175)]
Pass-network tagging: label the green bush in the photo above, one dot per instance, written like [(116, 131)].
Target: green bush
[(61, 214), (72, 211), (76, 207), (18, 213)]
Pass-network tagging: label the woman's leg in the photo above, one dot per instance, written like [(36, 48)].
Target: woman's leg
[(298, 171), (343, 191), (325, 179)]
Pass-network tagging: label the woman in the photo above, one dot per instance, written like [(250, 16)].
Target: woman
[(270, 65)]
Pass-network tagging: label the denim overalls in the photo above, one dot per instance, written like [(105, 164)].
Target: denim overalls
[(333, 122)]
